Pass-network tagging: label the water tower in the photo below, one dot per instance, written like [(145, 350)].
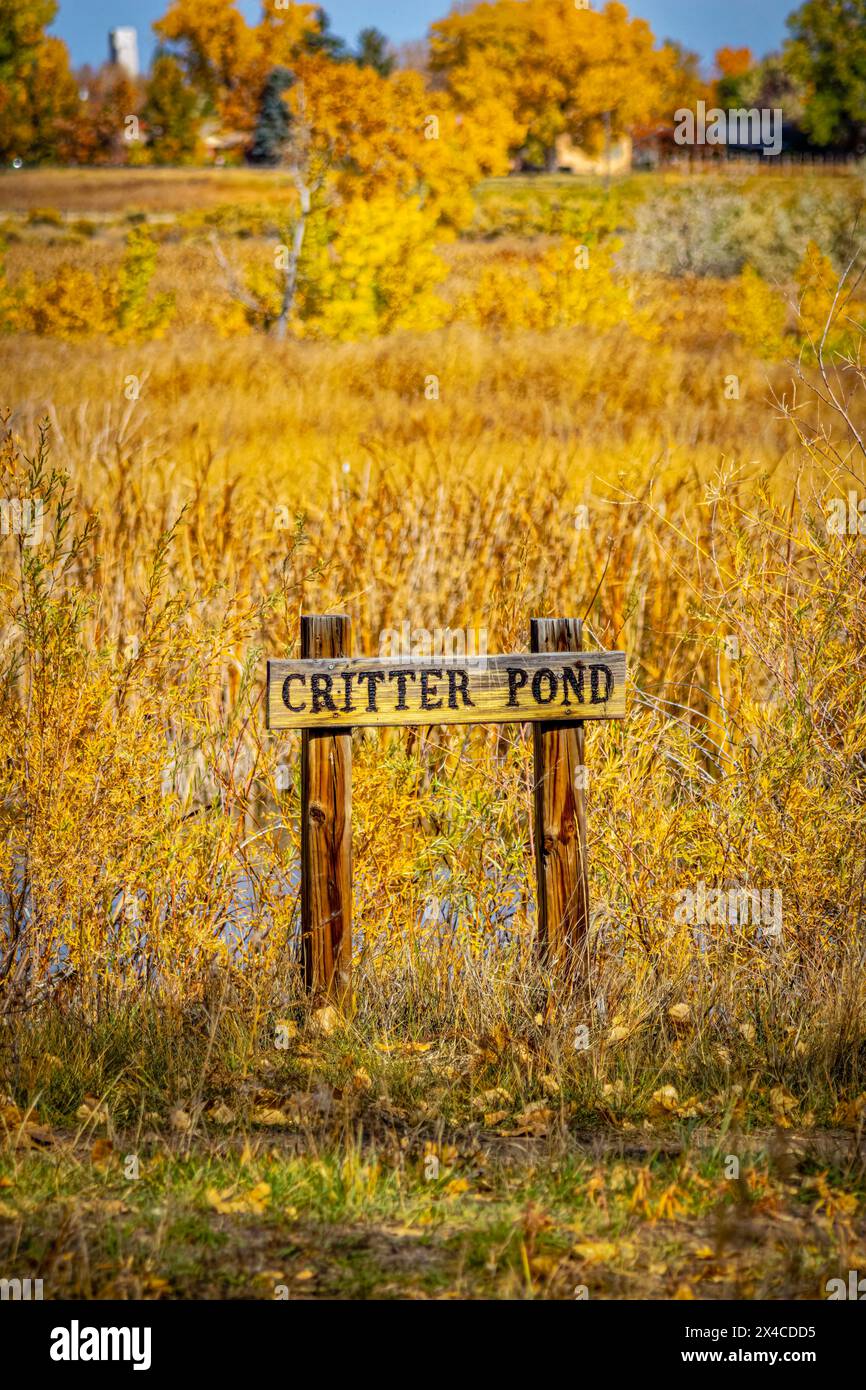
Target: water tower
[(123, 49)]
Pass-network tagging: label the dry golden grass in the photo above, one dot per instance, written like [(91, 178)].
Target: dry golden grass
[(82, 191)]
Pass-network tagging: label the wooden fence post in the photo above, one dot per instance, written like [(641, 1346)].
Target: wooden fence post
[(326, 832), (560, 819)]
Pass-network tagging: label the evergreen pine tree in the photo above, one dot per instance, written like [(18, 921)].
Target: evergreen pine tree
[(274, 122), (373, 52)]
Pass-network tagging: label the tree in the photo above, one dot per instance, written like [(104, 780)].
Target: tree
[(827, 52), (228, 61), (102, 130), (553, 69), (733, 62), (766, 85), (22, 31), (51, 106), (172, 114), (685, 84), (221, 56), (320, 40), (274, 123), (355, 137), (373, 52), (38, 93)]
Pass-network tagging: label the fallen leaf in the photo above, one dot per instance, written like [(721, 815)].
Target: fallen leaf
[(324, 1020), (264, 1115), (534, 1121), (595, 1252), (488, 1099), (252, 1203), (665, 1100)]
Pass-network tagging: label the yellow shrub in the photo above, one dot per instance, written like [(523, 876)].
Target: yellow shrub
[(377, 275), (568, 286), (70, 305), (757, 314), (826, 323), (578, 288), (78, 303), (503, 298)]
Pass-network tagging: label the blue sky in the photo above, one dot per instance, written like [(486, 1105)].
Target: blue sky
[(699, 24)]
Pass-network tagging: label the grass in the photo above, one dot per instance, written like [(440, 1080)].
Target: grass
[(281, 1215)]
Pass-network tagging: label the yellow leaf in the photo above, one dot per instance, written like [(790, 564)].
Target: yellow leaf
[(324, 1020), (264, 1115), (535, 1121), (665, 1100), (595, 1252), (252, 1203)]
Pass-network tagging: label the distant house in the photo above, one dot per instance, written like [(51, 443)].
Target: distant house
[(223, 145), (570, 159), (654, 145)]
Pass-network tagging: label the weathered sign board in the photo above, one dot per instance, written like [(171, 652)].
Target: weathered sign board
[(327, 693), (363, 692)]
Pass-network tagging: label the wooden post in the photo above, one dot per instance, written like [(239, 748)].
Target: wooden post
[(326, 832), (560, 819)]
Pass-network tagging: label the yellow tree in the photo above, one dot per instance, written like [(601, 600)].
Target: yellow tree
[(358, 137), (227, 59), (38, 94), (556, 69), (369, 133), (355, 137), (39, 107)]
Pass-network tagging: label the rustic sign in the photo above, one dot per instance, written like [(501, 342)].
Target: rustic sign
[(363, 692), (328, 693)]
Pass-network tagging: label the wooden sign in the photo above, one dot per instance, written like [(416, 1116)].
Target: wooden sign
[(362, 692), (328, 693)]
